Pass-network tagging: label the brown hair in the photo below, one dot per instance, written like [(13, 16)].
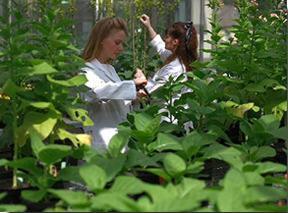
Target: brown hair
[(99, 32), (187, 49)]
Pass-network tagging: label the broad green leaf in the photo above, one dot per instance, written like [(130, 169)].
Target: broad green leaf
[(42, 69), (36, 142), (145, 203), (234, 179), (94, 176), (167, 199), (231, 156), (263, 152), (195, 167), (41, 105), (269, 122), (70, 173), (72, 82), (12, 208), (135, 158), (27, 164), (281, 133), (267, 167), (146, 123), (42, 123), (213, 150), (174, 164), (127, 185), (45, 128), (174, 204), (33, 195), (111, 166), (253, 178), (53, 153), (165, 142), (264, 194), (111, 201), (228, 199), (194, 141), (117, 143), (141, 136), (72, 198), (189, 185)]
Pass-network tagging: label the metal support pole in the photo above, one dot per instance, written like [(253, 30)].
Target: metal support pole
[(201, 28)]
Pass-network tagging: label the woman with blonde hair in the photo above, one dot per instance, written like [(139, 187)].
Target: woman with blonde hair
[(108, 95)]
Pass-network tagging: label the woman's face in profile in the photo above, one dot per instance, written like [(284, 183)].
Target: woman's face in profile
[(171, 43), (112, 45)]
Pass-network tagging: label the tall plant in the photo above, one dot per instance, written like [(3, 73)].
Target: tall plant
[(255, 55), (39, 88)]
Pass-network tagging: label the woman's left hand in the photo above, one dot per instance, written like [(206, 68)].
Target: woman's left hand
[(141, 93)]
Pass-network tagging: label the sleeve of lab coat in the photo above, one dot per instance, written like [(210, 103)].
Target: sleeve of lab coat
[(159, 45), (159, 80), (101, 90)]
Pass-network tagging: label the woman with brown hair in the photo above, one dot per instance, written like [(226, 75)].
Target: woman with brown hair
[(178, 51), (107, 95)]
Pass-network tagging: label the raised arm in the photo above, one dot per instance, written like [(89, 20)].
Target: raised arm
[(146, 22), (156, 40)]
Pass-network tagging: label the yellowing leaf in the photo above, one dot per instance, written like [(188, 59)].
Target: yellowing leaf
[(239, 111), (84, 139)]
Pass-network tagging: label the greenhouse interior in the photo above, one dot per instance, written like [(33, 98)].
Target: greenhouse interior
[(143, 106)]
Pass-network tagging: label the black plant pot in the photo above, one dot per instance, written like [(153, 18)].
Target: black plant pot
[(214, 170), (148, 177)]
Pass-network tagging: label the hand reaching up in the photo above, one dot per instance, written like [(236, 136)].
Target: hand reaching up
[(145, 20)]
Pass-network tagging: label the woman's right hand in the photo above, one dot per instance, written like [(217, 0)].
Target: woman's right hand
[(140, 81), (145, 20), (139, 78), (139, 73)]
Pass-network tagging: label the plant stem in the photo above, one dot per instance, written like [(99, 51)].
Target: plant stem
[(15, 154)]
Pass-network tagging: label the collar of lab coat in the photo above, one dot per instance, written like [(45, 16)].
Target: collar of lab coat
[(103, 70)]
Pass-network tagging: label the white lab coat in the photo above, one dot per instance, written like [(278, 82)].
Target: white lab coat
[(108, 101), (175, 68)]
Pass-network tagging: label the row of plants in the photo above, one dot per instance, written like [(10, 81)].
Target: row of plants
[(228, 160)]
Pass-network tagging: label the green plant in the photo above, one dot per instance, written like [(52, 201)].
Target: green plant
[(39, 88), (254, 55)]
